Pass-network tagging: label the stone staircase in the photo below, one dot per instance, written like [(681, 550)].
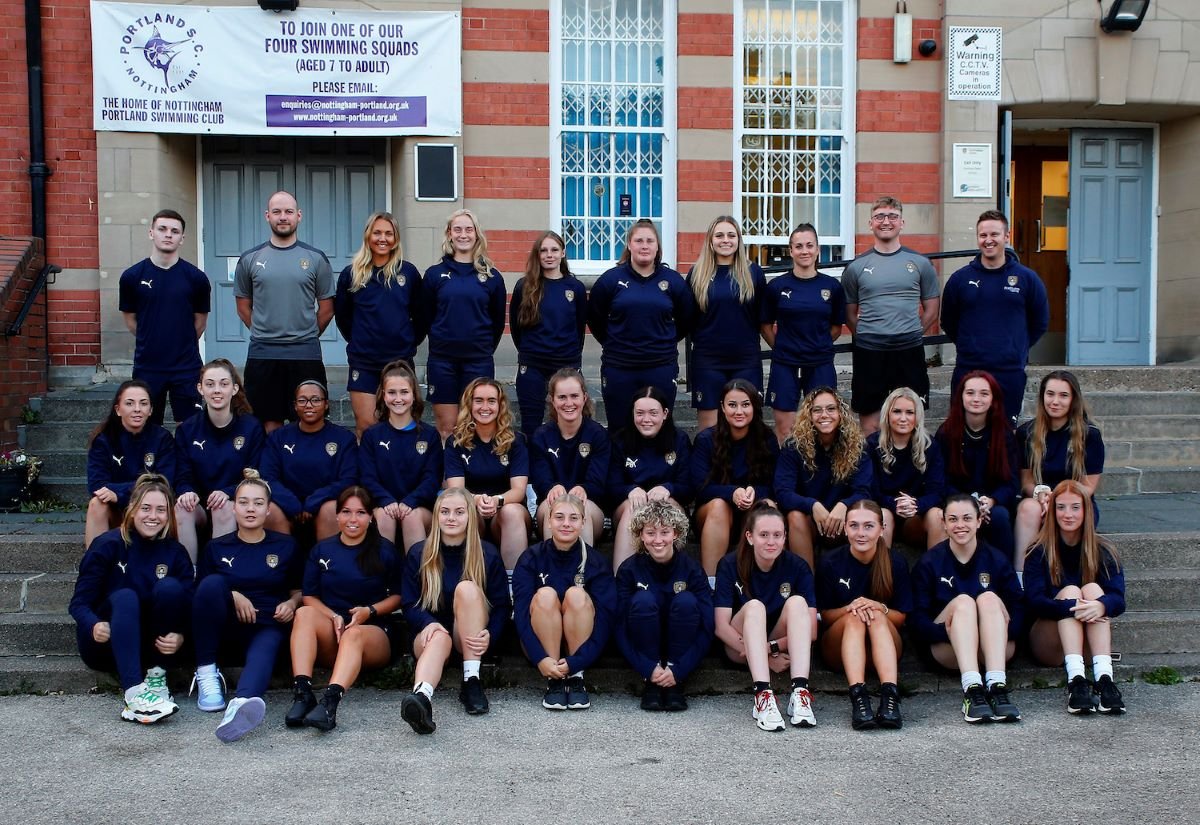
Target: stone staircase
[(1150, 419)]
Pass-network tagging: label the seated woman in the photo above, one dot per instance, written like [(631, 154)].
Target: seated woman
[(864, 595), (651, 461), (132, 599), (213, 449), (123, 447), (309, 462), (733, 465), (664, 621), (400, 458), (455, 596), (570, 452), (907, 472), (563, 602), (488, 457), (1074, 585), (979, 453), (822, 470), (766, 616), (351, 582), (967, 602), (1059, 443), (248, 592)]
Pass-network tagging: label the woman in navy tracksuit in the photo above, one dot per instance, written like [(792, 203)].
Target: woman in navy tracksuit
[(464, 303), (651, 461), (456, 597), (247, 593), (570, 453), (1074, 584), (121, 449), (133, 599), (728, 290), (864, 595), (379, 311), (563, 602), (639, 311), (310, 461), (966, 599), (907, 471), (351, 585), (664, 618), (979, 454), (400, 459), (547, 317), (213, 449)]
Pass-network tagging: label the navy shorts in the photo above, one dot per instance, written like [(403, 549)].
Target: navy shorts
[(446, 378), (788, 385), (618, 386), (878, 372), (271, 385), (362, 379), (1012, 383), (707, 381), (185, 398)]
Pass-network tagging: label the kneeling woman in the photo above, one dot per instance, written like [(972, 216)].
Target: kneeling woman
[(767, 617), (351, 582), (1074, 584), (967, 601), (863, 593), (248, 592), (455, 596), (664, 606), (132, 600), (563, 602)]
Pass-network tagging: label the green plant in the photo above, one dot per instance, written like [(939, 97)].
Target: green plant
[(30, 416), (49, 504), (1162, 676), (19, 459)]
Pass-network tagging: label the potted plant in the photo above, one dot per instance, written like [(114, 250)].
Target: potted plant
[(18, 471)]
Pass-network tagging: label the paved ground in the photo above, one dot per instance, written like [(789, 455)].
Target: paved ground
[(68, 759)]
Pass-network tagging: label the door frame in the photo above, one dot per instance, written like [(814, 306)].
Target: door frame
[(1067, 124)]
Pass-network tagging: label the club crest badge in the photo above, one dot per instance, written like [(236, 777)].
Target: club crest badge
[(570, 295), (304, 264), (482, 278), (670, 458), (422, 446), (431, 389), (985, 580), (353, 375), (330, 448), (272, 560), (148, 460), (662, 286), (785, 589), (825, 293), (1012, 280), (160, 571), (699, 396), (585, 450), (239, 442), (579, 580), (401, 280), (522, 369), (504, 460), (910, 266), (679, 587)]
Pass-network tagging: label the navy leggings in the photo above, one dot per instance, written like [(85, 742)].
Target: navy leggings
[(619, 385), (532, 385), (664, 636), (218, 631), (135, 624)]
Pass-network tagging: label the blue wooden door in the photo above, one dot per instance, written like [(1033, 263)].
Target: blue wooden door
[(1108, 310), (338, 183)]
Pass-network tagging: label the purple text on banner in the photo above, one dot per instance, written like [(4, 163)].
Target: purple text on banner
[(326, 112)]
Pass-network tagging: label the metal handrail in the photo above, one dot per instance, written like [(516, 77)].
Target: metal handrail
[(45, 277)]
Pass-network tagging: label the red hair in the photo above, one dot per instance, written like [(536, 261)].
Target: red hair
[(955, 428)]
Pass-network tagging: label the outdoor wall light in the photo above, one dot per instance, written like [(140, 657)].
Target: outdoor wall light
[(902, 34), (292, 5), (1124, 15)]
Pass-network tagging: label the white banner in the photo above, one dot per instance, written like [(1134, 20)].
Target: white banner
[(245, 71)]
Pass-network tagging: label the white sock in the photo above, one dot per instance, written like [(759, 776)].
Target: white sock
[(470, 668), (712, 582), (971, 677), (993, 677), (1074, 664), (577, 674), (1102, 666), (206, 670), (424, 687)]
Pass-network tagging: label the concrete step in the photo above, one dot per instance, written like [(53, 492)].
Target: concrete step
[(1153, 452), (1129, 480), (35, 553), (66, 488), (1134, 427), (22, 634), (1163, 589), (1152, 632), (37, 593), (1146, 552), (1163, 378)]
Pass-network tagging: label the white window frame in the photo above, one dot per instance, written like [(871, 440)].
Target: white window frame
[(669, 221), (849, 130)]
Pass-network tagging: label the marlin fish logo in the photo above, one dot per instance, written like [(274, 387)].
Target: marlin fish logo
[(159, 53), (148, 284), (949, 581), (227, 560), (199, 444)]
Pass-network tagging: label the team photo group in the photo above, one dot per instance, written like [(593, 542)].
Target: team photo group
[(260, 524)]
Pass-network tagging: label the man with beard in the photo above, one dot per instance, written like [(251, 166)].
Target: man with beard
[(284, 290)]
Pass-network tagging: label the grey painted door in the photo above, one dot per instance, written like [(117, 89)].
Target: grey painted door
[(338, 182), (1108, 309)]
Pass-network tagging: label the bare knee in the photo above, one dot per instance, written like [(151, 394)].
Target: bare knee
[(989, 602), (1069, 592), (963, 605), (1091, 590), (576, 599), (467, 594), (545, 600)]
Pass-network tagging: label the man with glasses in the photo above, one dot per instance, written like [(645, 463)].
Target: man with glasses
[(284, 291), (892, 297)]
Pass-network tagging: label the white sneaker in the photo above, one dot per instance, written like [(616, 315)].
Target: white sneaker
[(800, 709), (242, 716), (766, 712), (156, 680), (142, 704), (210, 690)]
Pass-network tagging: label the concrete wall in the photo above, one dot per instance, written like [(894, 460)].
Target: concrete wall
[(1178, 242)]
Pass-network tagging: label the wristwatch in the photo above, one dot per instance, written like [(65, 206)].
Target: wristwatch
[(371, 609), (774, 648)]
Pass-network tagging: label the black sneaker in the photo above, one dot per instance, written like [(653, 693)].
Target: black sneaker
[(674, 699), (577, 695), (862, 717), (652, 697), (1003, 710), (323, 716), (417, 710), (1079, 696), (556, 695), (975, 705), (888, 714), (1108, 696), (472, 696), (303, 701)]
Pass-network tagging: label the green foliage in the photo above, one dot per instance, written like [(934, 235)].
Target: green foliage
[(1162, 676)]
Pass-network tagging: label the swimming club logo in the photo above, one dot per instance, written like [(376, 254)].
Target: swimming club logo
[(161, 52)]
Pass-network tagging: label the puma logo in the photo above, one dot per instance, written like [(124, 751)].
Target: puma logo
[(324, 563), (227, 561), (199, 444), (631, 463), (118, 460), (466, 458), (148, 284), (949, 581), (445, 274), (974, 284), (553, 451), (787, 293), (738, 585), (122, 565), (845, 582), (623, 284), (643, 586), (867, 270), (291, 448), (260, 263), (387, 445), (544, 577)]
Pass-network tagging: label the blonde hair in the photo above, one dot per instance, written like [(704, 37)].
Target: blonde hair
[(474, 564), (918, 443), (581, 508), (1077, 424), (658, 511), (362, 267), (146, 484), (847, 447), (479, 255), (464, 426), (706, 267)]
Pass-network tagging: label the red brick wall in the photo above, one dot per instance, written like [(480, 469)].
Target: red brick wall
[(22, 357), (703, 108), (875, 37), (506, 30), (506, 104), (705, 35)]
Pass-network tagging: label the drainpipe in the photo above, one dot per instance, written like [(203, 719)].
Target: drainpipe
[(39, 171)]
